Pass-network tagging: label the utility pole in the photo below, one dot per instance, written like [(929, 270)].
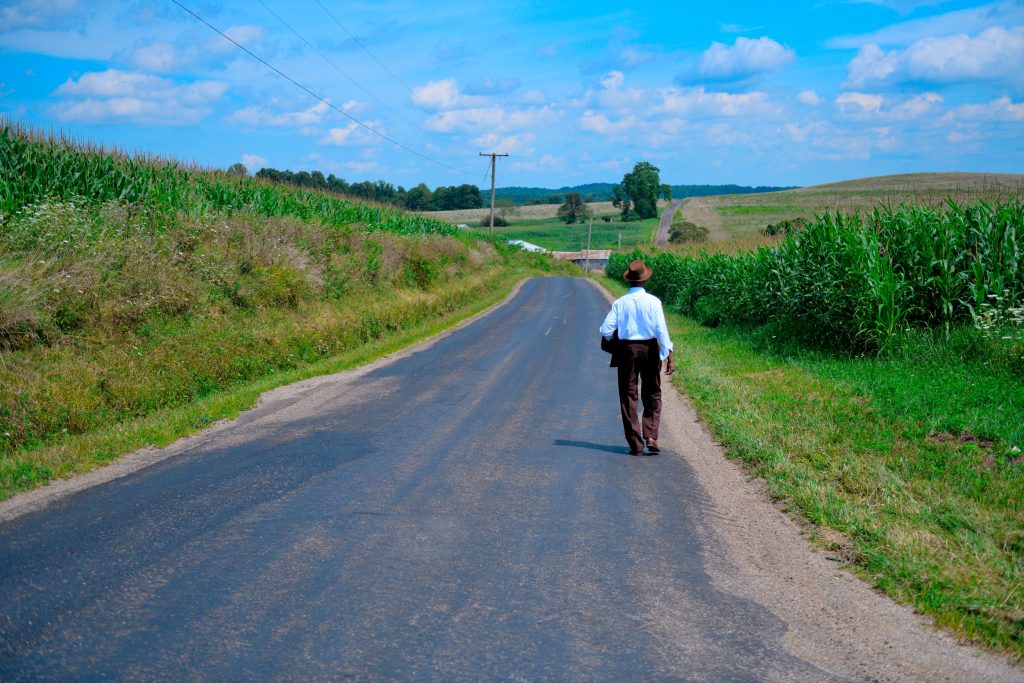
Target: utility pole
[(620, 240), (493, 156), (590, 231)]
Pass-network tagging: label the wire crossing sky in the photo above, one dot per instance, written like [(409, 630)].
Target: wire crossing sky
[(744, 92)]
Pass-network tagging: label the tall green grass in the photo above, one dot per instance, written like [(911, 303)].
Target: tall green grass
[(111, 312), (36, 167), (852, 283)]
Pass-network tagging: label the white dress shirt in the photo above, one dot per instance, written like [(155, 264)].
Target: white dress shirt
[(638, 316)]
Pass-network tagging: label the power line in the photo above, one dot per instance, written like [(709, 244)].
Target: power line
[(318, 97), (331, 62), (365, 49)]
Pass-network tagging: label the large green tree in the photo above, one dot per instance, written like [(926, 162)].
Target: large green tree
[(637, 196), (574, 209)]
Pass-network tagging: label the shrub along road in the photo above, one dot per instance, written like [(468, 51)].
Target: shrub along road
[(463, 511)]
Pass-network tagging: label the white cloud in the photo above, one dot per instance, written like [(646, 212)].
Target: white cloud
[(969, 21), (699, 101), (871, 65), (443, 94), (243, 35), (160, 57), (745, 57), (613, 96), (859, 103), (490, 119), (809, 97), (257, 116), (996, 53), (612, 80), (253, 162), (547, 163), (353, 134), (114, 95), (602, 125), (915, 107), (798, 133), (533, 96), (35, 14), (465, 119), (724, 134), (504, 143), (115, 83), (1001, 109)]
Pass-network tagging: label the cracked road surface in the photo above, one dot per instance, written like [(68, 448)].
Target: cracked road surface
[(463, 511)]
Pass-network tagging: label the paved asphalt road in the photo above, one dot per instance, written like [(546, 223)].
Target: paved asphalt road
[(468, 512)]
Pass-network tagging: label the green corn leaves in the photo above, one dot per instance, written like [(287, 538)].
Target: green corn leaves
[(35, 168), (851, 283)]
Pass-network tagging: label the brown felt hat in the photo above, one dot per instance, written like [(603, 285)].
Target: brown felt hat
[(638, 272)]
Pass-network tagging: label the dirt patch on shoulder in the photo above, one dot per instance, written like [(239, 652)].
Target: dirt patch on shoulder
[(944, 438)]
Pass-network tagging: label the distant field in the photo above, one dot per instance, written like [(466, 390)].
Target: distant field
[(533, 212), (538, 224), (729, 217), (553, 234)]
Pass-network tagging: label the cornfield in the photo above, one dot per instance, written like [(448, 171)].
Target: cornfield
[(851, 282), (36, 168)]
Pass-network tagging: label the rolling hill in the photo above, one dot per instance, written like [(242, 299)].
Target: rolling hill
[(734, 215)]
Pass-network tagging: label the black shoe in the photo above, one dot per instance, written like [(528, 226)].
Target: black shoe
[(652, 446), (634, 451)]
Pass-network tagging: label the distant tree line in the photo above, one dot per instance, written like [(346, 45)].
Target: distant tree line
[(601, 192), (418, 198)]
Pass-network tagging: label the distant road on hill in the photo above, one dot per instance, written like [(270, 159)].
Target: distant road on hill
[(729, 216), (665, 226)]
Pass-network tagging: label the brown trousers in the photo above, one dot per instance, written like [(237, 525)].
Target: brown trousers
[(639, 363)]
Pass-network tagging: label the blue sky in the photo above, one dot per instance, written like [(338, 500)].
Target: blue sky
[(793, 93)]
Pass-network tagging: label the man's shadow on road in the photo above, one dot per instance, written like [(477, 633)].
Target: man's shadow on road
[(605, 448)]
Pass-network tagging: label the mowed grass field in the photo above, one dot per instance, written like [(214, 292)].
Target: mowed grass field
[(539, 224), (553, 234), (529, 212), (731, 217)]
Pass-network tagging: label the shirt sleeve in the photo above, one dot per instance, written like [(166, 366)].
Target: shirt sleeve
[(610, 324), (661, 332)]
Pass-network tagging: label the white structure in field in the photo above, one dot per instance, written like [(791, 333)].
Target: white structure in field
[(526, 246)]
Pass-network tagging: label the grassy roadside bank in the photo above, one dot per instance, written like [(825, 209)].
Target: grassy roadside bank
[(906, 465), (384, 322)]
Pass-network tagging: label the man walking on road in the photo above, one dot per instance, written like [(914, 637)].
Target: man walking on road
[(643, 344)]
